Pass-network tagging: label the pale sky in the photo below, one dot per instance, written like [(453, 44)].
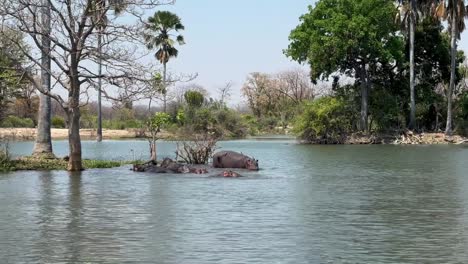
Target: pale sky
[(227, 40)]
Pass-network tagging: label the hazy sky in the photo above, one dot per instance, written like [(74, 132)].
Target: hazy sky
[(226, 40)]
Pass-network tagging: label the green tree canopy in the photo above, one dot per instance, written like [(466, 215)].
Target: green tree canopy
[(11, 59), (351, 37), (340, 35)]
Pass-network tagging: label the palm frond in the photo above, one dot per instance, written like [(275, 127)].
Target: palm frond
[(180, 40), (158, 35), (441, 11)]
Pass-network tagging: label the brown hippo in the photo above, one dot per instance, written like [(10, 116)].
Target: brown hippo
[(231, 159)]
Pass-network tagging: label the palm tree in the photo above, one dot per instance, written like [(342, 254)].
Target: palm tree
[(99, 17), (454, 11), (409, 13), (43, 144), (161, 24)]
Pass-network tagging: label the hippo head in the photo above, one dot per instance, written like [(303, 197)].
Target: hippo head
[(251, 164)]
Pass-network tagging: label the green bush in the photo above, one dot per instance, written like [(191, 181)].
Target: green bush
[(58, 122), (230, 123), (268, 123), (194, 99), (116, 124), (251, 123), (87, 120), (6, 163), (325, 120), (14, 121)]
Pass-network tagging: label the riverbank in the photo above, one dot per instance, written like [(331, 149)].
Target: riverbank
[(407, 138), (62, 133)]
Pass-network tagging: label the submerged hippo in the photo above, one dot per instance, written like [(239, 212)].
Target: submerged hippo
[(168, 166), (231, 159), (230, 174)]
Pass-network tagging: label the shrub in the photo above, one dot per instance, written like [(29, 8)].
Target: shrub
[(230, 123), (58, 122), (116, 124), (14, 121), (268, 123), (251, 123), (194, 99), (324, 120), (6, 163)]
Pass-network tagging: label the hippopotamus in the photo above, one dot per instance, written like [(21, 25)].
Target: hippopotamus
[(168, 166), (231, 159), (230, 174)]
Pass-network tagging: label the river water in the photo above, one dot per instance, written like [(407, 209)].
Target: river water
[(307, 204)]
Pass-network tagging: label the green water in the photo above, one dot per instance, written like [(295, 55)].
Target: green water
[(307, 204)]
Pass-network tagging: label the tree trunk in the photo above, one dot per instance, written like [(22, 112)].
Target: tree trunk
[(164, 87), (149, 106), (73, 113), (364, 100), (43, 145), (453, 52), (74, 140), (153, 150), (99, 121), (412, 123)]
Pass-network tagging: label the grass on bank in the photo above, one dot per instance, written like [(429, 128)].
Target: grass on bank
[(31, 163)]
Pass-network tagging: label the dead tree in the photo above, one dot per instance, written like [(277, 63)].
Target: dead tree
[(74, 56), (199, 150)]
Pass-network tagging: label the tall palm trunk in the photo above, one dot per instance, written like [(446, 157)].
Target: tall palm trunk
[(364, 99), (43, 145), (165, 87), (99, 121), (412, 28), (453, 52)]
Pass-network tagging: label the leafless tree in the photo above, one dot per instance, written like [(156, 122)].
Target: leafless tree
[(225, 92), (296, 85), (74, 55), (155, 89)]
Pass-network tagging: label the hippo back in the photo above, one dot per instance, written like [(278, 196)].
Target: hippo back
[(231, 159)]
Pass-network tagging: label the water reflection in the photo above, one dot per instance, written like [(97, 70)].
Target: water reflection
[(309, 204), (74, 230)]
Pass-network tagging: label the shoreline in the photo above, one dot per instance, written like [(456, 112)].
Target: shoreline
[(25, 134), (406, 138)]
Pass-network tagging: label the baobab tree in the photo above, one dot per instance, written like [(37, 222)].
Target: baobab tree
[(74, 55)]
